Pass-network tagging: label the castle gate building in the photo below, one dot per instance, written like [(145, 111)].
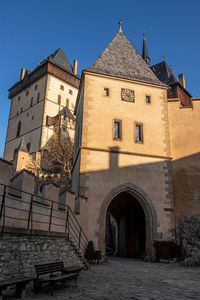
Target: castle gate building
[(122, 159)]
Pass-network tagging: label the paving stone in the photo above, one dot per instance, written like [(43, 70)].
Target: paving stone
[(131, 279)]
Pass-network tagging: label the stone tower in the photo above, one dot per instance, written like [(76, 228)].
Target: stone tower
[(40, 95)]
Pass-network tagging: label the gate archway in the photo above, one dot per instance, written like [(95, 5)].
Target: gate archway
[(137, 225)]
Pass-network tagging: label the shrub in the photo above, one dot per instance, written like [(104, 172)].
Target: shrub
[(166, 250), (90, 253)]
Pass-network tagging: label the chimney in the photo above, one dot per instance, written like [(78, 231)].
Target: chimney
[(182, 79), (75, 66), (23, 70)]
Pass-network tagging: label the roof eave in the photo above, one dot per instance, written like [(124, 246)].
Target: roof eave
[(126, 78)]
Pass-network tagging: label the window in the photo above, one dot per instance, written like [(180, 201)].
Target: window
[(106, 92), (62, 87), (138, 133), (67, 102), (31, 104), (27, 92), (32, 117), (36, 87), (28, 146), (38, 97), (21, 110), (59, 99), (148, 99), (27, 114), (19, 98), (117, 130), (18, 129), (70, 92)]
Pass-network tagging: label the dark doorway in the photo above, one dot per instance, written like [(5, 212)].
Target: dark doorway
[(125, 227)]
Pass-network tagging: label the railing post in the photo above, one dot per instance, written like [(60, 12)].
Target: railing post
[(51, 216), (79, 239), (67, 222), (30, 213)]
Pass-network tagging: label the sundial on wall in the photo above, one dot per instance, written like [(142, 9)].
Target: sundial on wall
[(127, 95)]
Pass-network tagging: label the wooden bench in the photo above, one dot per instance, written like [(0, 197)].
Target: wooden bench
[(20, 283), (56, 274)]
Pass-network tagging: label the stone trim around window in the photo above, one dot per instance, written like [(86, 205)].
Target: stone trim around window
[(138, 133), (117, 133)]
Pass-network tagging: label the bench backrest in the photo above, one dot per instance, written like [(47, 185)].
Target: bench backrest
[(49, 268)]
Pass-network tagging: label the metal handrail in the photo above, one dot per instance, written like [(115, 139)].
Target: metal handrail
[(69, 222)]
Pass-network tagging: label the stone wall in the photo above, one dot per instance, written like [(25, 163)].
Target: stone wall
[(188, 237), (20, 253)]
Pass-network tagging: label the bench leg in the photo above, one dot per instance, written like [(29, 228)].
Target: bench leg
[(75, 280), (20, 290), (52, 287), (1, 296)]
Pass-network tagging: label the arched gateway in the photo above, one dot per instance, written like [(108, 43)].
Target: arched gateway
[(130, 222)]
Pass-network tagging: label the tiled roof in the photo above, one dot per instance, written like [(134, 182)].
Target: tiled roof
[(164, 73), (59, 58), (121, 59), (66, 113)]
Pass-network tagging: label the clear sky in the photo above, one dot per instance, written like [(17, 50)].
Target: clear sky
[(30, 30)]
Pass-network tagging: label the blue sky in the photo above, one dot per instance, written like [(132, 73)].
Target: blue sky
[(31, 30)]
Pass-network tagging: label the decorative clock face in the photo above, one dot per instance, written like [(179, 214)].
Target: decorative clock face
[(127, 95)]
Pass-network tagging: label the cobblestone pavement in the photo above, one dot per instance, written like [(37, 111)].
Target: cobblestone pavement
[(130, 279)]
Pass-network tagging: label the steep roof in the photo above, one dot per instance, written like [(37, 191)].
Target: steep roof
[(164, 73), (22, 145), (58, 58), (66, 113), (121, 59)]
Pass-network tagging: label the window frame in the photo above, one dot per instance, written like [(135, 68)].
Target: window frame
[(120, 130), (149, 97), (59, 99), (141, 141), (106, 90)]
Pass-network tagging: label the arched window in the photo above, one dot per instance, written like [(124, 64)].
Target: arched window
[(18, 129)]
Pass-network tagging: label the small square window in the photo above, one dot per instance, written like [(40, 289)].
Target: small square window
[(70, 92), (138, 133), (36, 87), (59, 99), (106, 92), (27, 92), (117, 134), (148, 99), (62, 87)]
